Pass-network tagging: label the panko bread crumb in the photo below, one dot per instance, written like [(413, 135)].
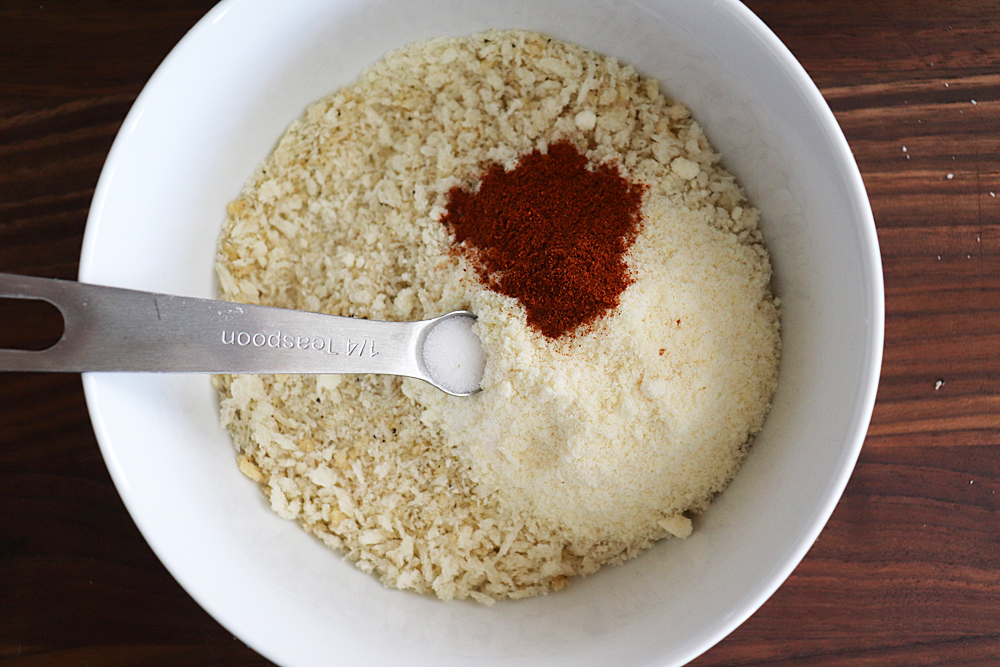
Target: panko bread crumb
[(579, 451)]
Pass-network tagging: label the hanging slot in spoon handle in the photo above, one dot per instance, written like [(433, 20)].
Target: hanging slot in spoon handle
[(114, 329)]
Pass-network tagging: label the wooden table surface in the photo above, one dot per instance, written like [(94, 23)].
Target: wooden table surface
[(907, 572)]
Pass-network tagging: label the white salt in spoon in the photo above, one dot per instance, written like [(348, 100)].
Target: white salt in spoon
[(120, 330)]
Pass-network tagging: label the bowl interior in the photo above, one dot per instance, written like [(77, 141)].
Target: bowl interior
[(216, 107)]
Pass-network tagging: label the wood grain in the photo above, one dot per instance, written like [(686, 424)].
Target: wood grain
[(907, 573)]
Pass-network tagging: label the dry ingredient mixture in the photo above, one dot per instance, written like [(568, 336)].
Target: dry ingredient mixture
[(621, 286)]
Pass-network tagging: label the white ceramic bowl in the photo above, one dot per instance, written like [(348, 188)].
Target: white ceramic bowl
[(216, 107)]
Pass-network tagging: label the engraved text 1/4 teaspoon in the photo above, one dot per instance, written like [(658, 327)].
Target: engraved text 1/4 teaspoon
[(121, 330)]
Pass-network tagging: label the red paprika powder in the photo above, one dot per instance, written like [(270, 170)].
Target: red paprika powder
[(551, 233)]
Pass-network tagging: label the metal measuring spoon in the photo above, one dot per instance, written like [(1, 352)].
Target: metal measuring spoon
[(121, 330)]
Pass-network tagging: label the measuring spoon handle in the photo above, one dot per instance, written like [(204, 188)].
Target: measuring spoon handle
[(114, 329)]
